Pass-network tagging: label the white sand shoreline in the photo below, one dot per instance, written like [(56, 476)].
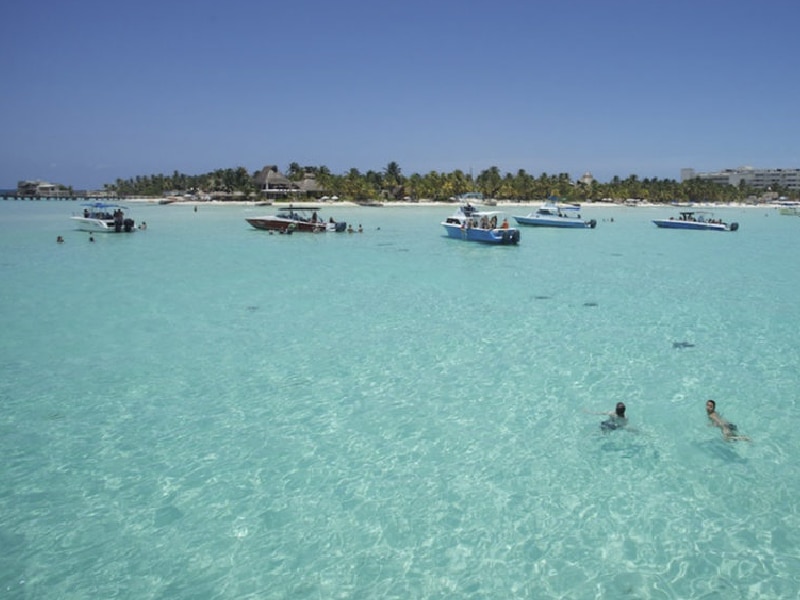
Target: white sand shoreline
[(501, 204)]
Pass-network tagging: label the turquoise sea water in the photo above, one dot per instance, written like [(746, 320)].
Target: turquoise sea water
[(203, 410)]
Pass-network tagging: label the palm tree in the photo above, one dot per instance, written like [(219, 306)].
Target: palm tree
[(393, 179), (489, 181), (294, 172)]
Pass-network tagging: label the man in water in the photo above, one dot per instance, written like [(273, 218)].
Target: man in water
[(615, 420), (729, 431)]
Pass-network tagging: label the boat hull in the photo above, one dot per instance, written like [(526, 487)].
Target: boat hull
[(283, 225), (694, 225), (560, 223), (103, 225), (503, 237)]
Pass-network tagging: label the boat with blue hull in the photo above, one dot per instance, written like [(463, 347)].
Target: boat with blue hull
[(472, 225), (552, 214), (703, 221)]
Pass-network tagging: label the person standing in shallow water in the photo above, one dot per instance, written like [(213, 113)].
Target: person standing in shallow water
[(730, 432)]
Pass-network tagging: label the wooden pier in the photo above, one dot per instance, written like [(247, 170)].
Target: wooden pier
[(68, 198)]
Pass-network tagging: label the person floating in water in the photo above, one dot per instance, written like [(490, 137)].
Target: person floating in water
[(615, 420), (729, 431)]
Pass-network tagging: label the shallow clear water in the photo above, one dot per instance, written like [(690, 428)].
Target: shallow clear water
[(203, 410)]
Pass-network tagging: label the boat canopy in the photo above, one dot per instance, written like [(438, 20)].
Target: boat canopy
[(466, 197), (300, 208), (102, 205)]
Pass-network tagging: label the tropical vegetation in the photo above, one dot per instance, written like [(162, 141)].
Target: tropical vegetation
[(392, 184)]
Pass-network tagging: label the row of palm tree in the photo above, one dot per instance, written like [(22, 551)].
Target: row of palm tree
[(392, 184), (222, 180)]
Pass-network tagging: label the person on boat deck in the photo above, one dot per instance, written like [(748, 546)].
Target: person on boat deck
[(505, 224), (615, 420), (314, 217), (729, 431)]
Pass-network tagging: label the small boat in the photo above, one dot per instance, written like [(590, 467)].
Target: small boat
[(100, 217), (552, 214), (696, 220), (472, 225), (297, 218)]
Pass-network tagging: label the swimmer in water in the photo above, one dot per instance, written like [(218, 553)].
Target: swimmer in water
[(615, 420), (730, 432)]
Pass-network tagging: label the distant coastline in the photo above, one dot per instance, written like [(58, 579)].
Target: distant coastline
[(498, 204), (430, 204)]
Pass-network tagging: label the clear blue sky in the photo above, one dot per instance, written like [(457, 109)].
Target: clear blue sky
[(95, 90)]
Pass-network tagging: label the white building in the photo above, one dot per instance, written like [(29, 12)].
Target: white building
[(756, 178)]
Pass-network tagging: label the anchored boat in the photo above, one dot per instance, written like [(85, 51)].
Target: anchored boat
[(701, 220)]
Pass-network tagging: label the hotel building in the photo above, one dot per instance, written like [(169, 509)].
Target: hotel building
[(755, 178)]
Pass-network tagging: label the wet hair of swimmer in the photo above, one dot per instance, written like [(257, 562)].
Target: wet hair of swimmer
[(620, 410)]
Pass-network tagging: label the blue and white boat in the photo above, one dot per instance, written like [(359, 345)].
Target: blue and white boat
[(700, 220), (101, 217), (553, 214), (473, 225)]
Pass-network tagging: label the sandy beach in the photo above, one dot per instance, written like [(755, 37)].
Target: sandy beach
[(501, 204)]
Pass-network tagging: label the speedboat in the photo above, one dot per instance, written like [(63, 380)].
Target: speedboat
[(696, 220), (100, 217), (294, 218), (472, 225), (551, 214)]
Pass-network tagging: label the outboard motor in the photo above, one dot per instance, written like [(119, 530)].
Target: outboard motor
[(127, 225), (734, 226), (592, 224)]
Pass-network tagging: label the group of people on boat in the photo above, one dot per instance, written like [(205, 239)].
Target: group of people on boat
[(118, 215), (692, 219), (295, 216), (484, 223), (617, 419)]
